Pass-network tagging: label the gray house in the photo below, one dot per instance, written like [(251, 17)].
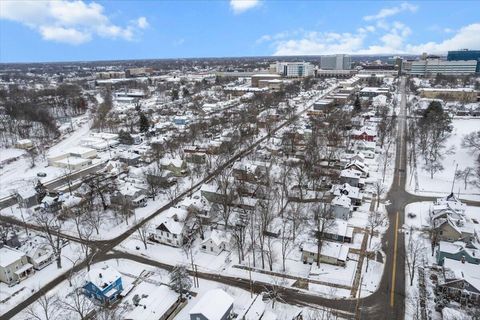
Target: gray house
[(215, 304)]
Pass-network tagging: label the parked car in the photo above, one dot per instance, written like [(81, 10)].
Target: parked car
[(41, 174)]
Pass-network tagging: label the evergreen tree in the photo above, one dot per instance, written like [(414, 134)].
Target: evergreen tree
[(143, 123), (125, 137), (357, 106), (180, 281)]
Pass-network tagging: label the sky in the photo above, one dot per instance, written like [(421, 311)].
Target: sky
[(82, 30)]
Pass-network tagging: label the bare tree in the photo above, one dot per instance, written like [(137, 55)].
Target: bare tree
[(85, 232), (265, 215), (466, 175), (471, 141), (226, 189), (323, 217), (77, 303), (143, 233), (286, 242), (51, 226), (45, 308), (413, 254), (375, 220), (154, 179)]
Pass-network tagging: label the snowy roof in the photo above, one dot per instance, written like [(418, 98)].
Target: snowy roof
[(340, 227), (217, 237), (102, 277), (346, 189), (342, 201), (213, 305), (350, 173), (329, 249), (80, 150), (466, 271), (9, 256), (456, 247), (154, 306), (174, 227)]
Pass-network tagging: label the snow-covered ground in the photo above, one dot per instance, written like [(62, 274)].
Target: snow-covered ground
[(153, 278), (442, 181)]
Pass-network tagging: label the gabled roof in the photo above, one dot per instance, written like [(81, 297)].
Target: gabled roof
[(213, 305)]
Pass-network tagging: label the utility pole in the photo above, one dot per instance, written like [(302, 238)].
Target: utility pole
[(250, 277), (454, 175)]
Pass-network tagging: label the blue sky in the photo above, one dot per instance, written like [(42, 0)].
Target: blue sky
[(106, 30)]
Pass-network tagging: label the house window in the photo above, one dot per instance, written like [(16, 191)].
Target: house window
[(211, 248), (204, 247), (175, 236), (311, 253)]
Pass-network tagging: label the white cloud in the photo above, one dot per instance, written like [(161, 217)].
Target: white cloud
[(393, 39), (142, 23), (465, 37), (65, 35), (388, 12), (71, 22), (240, 6)]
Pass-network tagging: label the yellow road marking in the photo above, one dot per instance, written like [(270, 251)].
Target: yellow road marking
[(392, 291)]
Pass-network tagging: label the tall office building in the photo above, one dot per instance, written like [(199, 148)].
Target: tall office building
[(294, 69), (336, 62), (465, 54)]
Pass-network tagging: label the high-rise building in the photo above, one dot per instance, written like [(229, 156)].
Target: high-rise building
[(294, 69), (432, 67), (336, 62), (465, 55)]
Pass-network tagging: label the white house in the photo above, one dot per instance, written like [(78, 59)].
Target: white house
[(172, 228), (215, 243), (38, 251), (330, 252), (342, 207), (14, 265)]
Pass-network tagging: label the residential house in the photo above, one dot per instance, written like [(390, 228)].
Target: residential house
[(331, 253), (359, 166), (130, 158), (452, 230), (364, 134), (103, 284), (352, 177), (176, 166), (172, 228), (27, 197), (460, 281), (215, 304), (157, 304), (215, 242), (14, 265), (39, 252), (353, 193), (339, 231), (341, 207), (458, 251)]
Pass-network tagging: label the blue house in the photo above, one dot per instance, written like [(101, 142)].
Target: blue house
[(104, 284), (458, 251)]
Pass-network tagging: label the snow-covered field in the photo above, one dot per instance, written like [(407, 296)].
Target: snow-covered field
[(441, 183)]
